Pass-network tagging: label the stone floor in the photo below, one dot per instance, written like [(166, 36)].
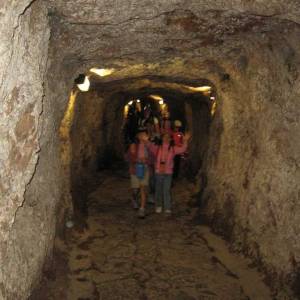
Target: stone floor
[(122, 257)]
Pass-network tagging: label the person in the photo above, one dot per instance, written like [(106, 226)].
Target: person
[(139, 171), (166, 123), (178, 141), (164, 160)]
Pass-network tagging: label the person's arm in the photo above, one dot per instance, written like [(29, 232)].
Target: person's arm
[(152, 147), (181, 149), (132, 153)]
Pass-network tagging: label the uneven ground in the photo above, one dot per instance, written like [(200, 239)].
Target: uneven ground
[(122, 257)]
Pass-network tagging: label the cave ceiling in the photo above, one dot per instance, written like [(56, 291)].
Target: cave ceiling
[(133, 34)]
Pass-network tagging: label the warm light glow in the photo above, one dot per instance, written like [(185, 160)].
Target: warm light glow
[(126, 110), (65, 129), (130, 102), (200, 88), (156, 97), (213, 108), (212, 98), (85, 86), (138, 100), (161, 102), (102, 72)]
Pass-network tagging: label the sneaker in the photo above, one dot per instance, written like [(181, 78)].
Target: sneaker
[(158, 209), (141, 213), (168, 211)]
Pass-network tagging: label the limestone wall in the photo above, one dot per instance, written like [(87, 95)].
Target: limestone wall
[(253, 172), (24, 226)]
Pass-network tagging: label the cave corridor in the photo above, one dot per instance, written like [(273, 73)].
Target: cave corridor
[(70, 72)]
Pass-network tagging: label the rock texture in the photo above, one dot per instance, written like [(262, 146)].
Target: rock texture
[(121, 257), (24, 34), (248, 50)]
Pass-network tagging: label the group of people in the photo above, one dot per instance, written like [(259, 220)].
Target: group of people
[(155, 148)]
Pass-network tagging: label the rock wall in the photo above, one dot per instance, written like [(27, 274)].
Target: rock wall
[(252, 196), (24, 225), (250, 51)]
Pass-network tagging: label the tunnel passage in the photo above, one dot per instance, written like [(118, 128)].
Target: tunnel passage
[(97, 129), (248, 49)]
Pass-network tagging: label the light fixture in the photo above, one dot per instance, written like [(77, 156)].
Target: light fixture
[(102, 72), (82, 82), (204, 88), (212, 98), (130, 102), (138, 100), (156, 97), (161, 102)]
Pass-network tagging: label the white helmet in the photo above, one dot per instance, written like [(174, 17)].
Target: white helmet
[(177, 123)]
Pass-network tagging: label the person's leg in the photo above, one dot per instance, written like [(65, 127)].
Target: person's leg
[(135, 191), (158, 192), (144, 183), (143, 190), (167, 193)]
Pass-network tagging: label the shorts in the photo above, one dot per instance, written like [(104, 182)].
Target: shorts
[(137, 182)]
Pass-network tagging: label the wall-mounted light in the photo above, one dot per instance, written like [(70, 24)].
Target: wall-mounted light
[(82, 82), (156, 97), (102, 72), (138, 100), (204, 88), (130, 102)]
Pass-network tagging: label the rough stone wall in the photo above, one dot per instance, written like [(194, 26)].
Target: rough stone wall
[(253, 163), (24, 232)]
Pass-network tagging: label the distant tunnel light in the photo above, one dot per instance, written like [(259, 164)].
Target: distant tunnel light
[(102, 72), (204, 88), (156, 97), (85, 86)]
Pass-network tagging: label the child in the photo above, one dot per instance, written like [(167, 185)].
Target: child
[(164, 161), (139, 171)]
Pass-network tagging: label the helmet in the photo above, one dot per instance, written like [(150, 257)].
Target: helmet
[(177, 123)]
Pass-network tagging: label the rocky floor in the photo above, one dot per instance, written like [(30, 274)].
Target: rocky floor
[(122, 257)]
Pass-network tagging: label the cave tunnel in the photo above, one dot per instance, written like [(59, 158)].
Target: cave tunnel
[(69, 71), (96, 132)]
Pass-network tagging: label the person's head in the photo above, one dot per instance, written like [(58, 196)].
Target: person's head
[(177, 125), (166, 115), (142, 135)]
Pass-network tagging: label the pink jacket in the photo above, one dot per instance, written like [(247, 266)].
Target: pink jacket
[(169, 163), (132, 157)]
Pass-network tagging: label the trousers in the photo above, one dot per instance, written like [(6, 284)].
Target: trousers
[(163, 190)]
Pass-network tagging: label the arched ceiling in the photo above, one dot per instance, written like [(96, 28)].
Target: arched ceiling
[(128, 34)]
